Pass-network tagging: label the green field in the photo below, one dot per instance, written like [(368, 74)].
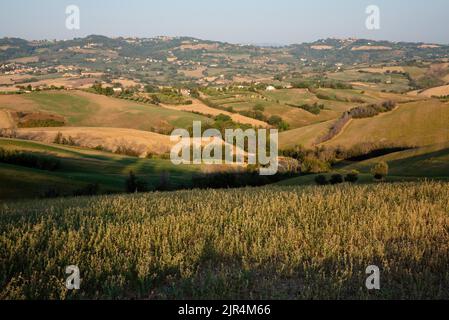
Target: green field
[(80, 167), (82, 109), (256, 243)]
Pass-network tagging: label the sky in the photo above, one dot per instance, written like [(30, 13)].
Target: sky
[(235, 21)]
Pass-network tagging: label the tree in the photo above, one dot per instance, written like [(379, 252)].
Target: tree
[(321, 180), (352, 177), (336, 179), (164, 181), (380, 170), (133, 184)]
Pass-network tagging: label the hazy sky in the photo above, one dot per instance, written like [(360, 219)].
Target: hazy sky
[(237, 21)]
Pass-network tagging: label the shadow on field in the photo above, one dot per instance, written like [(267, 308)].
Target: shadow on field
[(405, 274)]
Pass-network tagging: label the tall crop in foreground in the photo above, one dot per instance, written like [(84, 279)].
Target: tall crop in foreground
[(271, 242)]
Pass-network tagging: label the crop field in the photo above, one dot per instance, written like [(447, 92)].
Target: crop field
[(271, 242)]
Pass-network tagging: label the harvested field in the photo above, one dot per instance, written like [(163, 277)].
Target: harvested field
[(6, 120), (107, 138), (436, 92)]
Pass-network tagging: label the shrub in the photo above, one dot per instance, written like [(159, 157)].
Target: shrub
[(380, 170), (134, 184), (321, 180), (352, 176), (30, 160), (164, 182), (313, 165), (336, 179), (278, 123), (127, 151)]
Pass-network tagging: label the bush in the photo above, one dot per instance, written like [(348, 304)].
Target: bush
[(127, 151), (380, 170), (164, 182), (30, 160), (278, 123), (321, 180), (336, 179), (352, 177), (134, 184)]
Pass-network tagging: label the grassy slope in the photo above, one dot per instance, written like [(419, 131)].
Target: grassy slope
[(305, 136), (260, 243), (79, 167), (91, 110), (418, 123), (432, 162), (411, 165)]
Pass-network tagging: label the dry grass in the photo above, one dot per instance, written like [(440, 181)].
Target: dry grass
[(418, 123), (273, 242), (305, 136), (6, 120), (436, 92), (108, 138)]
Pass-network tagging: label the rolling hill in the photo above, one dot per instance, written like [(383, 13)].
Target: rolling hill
[(83, 109), (80, 167)]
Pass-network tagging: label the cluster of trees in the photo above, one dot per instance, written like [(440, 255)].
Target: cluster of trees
[(255, 114), (60, 139), (317, 160), (312, 108), (337, 178), (372, 110), (98, 88), (40, 123), (321, 83), (278, 122), (224, 180), (134, 184), (127, 151), (154, 99), (379, 172), (30, 160)]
